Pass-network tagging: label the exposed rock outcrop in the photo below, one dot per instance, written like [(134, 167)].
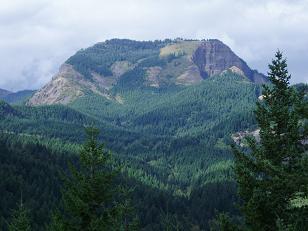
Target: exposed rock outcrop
[(67, 86), (152, 77), (120, 67), (60, 90), (213, 57), (152, 64), (239, 137), (191, 76)]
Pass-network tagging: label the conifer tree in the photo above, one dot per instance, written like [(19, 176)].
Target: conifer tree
[(271, 172), (223, 222), (89, 195), (20, 220)]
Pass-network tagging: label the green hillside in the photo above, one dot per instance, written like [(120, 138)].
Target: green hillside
[(163, 111), (172, 142), (194, 122), (101, 56)]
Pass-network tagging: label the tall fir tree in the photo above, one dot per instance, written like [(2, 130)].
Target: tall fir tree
[(91, 200), (271, 172), (20, 220)]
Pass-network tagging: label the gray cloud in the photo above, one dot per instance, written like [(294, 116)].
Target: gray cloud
[(38, 35)]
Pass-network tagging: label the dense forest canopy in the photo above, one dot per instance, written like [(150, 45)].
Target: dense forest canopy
[(172, 142)]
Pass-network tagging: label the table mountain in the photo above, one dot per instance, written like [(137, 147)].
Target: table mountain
[(115, 65)]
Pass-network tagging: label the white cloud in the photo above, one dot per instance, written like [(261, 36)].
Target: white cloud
[(38, 35)]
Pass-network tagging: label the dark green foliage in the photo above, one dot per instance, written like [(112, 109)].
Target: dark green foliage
[(301, 88), (132, 79), (223, 222), (272, 172), (47, 121), (101, 56), (184, 128), (20, 220), (36, 163), (171, 142), (89, 194), (6, 110)]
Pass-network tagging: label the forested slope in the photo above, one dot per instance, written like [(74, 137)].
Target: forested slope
[(172, 143), (166, 109)]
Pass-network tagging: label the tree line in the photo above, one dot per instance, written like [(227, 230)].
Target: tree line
[(271, 174)]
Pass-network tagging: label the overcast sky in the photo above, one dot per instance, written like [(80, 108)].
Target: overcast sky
[(38, 35)]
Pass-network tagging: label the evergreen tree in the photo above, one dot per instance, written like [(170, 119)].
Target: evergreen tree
[(223, 222), (89, 195), (271, 172), (20, 219)]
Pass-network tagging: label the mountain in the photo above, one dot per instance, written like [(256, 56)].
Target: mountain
[(115, 65), (166, 110), (173, 143), (6, 110), (4, 93), (18, 97)]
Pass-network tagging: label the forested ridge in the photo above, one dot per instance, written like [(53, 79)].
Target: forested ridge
[(172, 144), (101, 56), (19, 97)]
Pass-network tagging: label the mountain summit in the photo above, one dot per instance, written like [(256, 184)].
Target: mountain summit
[(120, 64)]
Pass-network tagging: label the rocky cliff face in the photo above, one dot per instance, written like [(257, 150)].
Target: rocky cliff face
[(133, 64), (68, 85), (213, 57)]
